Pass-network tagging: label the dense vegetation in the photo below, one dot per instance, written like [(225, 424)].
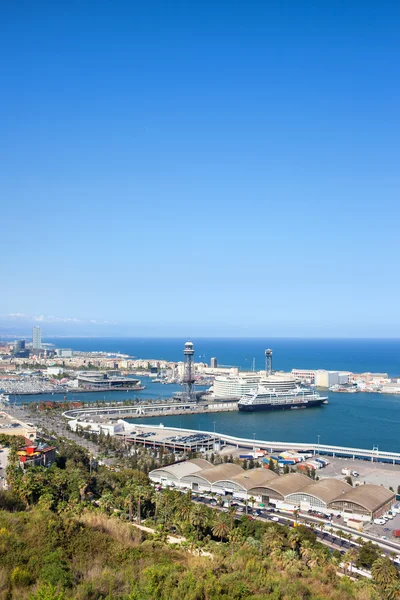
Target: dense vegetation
[(65, 532)]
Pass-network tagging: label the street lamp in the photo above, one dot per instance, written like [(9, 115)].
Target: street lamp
[(318, 436)]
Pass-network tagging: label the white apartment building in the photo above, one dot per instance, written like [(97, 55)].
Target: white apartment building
[(36, 338)]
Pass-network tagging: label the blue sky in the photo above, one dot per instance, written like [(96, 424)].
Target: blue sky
[(201, 168)]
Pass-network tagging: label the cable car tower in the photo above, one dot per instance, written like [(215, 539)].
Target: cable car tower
[(188, 378), (268, 361)]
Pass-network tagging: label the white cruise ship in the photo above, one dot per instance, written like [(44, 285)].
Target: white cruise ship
[(280, 392)]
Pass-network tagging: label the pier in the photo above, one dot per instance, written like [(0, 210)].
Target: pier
[(151, 410), (374, 455)]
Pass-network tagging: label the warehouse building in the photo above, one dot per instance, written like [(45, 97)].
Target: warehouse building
[(318, 494), (214, 479), (366, 501), (288, 492), (275, 491), (172, 474)]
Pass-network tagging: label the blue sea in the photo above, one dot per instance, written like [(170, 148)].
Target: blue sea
[(357, 355), (361, 420)]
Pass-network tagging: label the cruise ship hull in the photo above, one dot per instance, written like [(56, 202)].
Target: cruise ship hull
[(283, 406)]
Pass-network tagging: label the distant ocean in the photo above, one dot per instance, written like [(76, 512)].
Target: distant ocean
[(357, 355)]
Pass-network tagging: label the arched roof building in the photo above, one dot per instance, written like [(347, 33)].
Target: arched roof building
[(210, 477), (175, 472), (367, 499), (280, 487), (319, 493)]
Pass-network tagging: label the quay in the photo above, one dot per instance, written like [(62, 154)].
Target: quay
[(159, 435), (151, 410)]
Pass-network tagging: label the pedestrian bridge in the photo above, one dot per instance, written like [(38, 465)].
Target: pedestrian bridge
[(271, 446)]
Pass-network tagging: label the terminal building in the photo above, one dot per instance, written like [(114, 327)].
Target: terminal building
[(103, 381), (233, 387), (289, 492)]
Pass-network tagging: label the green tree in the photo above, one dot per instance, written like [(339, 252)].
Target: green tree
[(47, 592), (384, 572), (367, 555), (221, 526)]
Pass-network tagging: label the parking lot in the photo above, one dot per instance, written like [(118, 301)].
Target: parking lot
[(168, 438), (384, 531), (378, 473)]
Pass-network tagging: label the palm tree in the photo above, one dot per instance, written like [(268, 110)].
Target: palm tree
[(392, 592), (295, 539), (183, 507), (235, 537), (289, 557), (273, 538), (384, 572), (314, 559), (306, 550), (107, 501), (350, 558), (199, 517), (221, 527)]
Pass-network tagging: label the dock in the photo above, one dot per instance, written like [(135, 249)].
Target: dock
[(152, 410)]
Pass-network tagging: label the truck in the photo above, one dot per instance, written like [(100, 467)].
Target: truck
[(346, 472), (396, 533)]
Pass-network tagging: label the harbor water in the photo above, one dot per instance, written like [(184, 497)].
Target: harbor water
[(363, 420)]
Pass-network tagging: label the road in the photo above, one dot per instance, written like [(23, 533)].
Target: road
[(327, 538)]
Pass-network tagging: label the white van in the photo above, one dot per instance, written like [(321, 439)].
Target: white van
[(379, 521)]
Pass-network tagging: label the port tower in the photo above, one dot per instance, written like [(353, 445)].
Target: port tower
[(188, 378), (268, 361)]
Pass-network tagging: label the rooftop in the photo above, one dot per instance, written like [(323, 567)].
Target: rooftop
[(225, 471), (254, 478), (289, 484), (180, 469), (369, 496), (326, 490)]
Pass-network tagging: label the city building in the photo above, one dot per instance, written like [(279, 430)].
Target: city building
[(36, 456), (11, 426), (304, 375), (36, 338), (214, 363), (53, 371), (288, 492), (234, 387), (328, 378), (367, 501), (64, 352), (19, 349), (103, 381)]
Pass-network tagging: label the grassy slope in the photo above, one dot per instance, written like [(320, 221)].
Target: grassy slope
[(93, 557)]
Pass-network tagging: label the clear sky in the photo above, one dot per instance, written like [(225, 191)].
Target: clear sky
[(202, 168)]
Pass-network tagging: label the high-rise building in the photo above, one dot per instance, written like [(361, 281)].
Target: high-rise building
[(19, 346), (36, 338), (214, 363)]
